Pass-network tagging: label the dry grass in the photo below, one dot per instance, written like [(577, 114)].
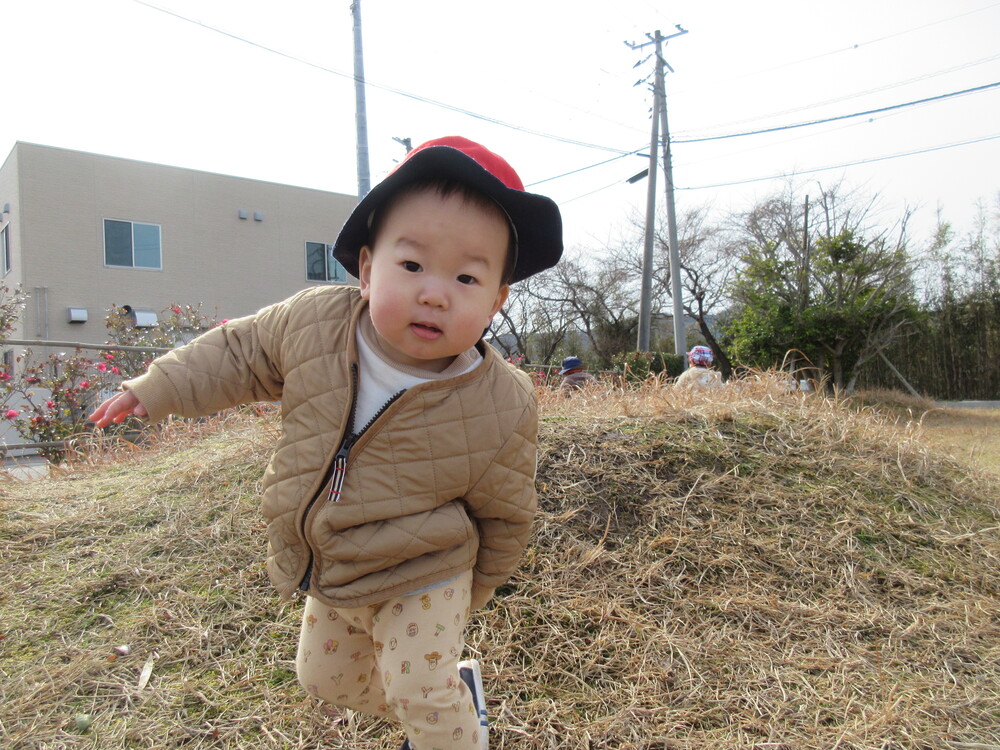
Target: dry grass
[(970, 435), (742, 569)]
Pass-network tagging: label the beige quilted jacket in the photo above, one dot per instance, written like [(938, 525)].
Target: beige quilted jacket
[(441, 482)]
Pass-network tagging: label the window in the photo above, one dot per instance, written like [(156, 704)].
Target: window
[(131, 244), (321, 265), (5, 250)]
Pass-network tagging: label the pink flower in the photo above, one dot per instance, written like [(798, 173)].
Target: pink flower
[(4, 376), (176, 309), (109, 356), (11, 414), (114, 370), (84, 384), (102, 367), (50, 404)]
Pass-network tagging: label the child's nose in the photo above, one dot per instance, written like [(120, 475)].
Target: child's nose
[(433, 293)]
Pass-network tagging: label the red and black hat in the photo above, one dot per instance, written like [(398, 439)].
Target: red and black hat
[(535, 219)]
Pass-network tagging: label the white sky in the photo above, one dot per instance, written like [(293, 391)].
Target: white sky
[(134, 79)]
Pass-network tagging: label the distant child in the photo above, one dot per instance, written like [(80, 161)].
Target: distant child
[(700, 374), (574, 376), (401, 492)]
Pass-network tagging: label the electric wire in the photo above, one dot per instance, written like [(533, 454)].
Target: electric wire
[(589, 166), (797, 172), (852, 47), (621, 153), (877, 110), (383, 87), (846, 164), (855, 95)]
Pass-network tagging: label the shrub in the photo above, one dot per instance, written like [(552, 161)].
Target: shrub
[(54, 395), (636, 366)]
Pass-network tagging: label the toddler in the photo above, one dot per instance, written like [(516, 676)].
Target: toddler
[(401, 491)]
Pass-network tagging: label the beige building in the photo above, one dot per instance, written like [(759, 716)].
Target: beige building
[(81, 232)]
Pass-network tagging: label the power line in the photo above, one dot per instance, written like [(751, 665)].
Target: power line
[(621, 153), (847, 164), (583, 169), (383, 87), (852, 47), (877, 110), (750, 180), (866, 92)]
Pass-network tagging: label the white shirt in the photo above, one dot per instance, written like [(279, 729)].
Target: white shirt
[(382, 377)]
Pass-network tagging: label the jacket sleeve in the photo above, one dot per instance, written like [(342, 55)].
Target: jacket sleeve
[(235, 363), (503, 504)]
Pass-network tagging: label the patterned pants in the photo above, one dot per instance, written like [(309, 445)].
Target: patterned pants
[(396, 659)]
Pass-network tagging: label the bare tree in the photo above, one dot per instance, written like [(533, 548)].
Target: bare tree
[(592, 297), (530, 326), (709, 258), (836, 286)]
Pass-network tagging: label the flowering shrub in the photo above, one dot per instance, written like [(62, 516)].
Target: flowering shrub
[(540, 377), (54, 395), (12, 303), (177, 325)]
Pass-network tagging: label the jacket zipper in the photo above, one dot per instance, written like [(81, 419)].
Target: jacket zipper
[(340, 462), (304, 583), (339, 468)]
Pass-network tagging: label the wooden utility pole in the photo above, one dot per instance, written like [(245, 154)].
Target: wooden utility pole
[(645, 294)]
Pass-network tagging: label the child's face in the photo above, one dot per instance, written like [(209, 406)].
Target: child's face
[(433, 278)]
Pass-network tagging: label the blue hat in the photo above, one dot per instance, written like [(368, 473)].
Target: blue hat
[(570, 363)]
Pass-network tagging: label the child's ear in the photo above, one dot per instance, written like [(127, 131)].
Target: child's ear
[(501, 298), (365, 271)]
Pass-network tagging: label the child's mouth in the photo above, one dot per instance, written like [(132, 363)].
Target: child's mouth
[(426, 331)]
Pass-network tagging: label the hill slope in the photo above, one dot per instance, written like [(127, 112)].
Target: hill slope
[(755, 570)]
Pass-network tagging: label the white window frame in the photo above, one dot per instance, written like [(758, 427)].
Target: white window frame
[(6, 263), (133, 224), (339, 275)]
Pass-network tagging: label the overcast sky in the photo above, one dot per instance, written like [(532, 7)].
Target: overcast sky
[(264, 89)]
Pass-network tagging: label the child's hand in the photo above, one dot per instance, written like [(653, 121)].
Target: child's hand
[(117, 408)]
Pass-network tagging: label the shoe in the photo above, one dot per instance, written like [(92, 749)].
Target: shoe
[(405, 745), (471, 675)]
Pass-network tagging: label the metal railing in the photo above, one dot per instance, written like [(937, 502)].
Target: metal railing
[(7, 448), (81, 345)]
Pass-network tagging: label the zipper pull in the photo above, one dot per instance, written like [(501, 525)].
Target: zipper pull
[(339, 469)]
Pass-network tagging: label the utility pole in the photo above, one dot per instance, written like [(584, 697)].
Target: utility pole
[(360, 111), (646, 290), (804, 271), (660, 116), (680, 334)]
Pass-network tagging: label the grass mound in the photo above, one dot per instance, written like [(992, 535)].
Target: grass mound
[(742, 569)]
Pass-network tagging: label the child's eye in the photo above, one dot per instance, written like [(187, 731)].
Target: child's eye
[(464, 278), (411, 266)]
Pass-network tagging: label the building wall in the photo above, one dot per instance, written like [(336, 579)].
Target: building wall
[(9, 200), (209, 255)]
